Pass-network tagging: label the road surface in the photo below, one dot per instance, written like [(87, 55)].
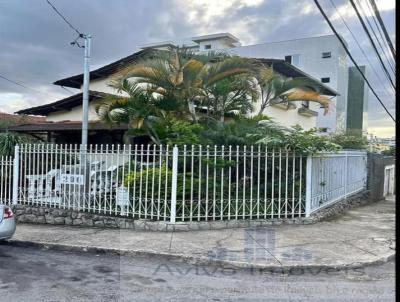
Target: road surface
[(30, 274)]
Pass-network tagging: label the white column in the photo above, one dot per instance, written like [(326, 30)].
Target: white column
[(308, 185), (174, 183), (15, 175)]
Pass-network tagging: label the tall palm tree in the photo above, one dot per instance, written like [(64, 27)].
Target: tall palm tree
[(276, 88), (183, 74)]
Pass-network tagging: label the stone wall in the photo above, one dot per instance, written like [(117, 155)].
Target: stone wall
[(376, 174), (354, 201), (44, 215)]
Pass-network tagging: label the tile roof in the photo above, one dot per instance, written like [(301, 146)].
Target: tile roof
[(21, 118)]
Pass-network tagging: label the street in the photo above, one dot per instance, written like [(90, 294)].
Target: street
[(31, 274)]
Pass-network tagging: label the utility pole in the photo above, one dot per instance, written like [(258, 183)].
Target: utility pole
[(85, 90), (86, 74)]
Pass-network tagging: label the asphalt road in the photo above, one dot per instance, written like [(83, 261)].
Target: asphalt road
[(30, 274)]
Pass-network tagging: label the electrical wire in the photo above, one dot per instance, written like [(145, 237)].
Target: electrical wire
[(71, 92), (378, 16), (380, 29), (65, 19), (376, 37), (22, 85), (389, 93), (372, 42), (351, 57)]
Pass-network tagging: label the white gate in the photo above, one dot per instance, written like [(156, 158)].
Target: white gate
[(388, 185)]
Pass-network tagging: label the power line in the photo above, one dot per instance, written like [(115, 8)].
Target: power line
[(378, 16), (376, 37), (372, 42), (71, 92), (22, 85), (351, 58), (65, 19), (380, 30), (361, 48)]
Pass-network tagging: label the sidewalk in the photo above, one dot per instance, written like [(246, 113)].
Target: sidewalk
[(361, 236)]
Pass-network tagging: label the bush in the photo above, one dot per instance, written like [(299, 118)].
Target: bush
[(350, 141), (242, 131), (390, 152), (8, 141)]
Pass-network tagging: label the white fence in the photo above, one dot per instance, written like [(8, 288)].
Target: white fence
[(184, 183), (334, 176), (6, 169)]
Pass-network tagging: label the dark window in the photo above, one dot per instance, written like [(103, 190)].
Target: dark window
[(325, 80), (326, 54), (288, 59), (208, 46)]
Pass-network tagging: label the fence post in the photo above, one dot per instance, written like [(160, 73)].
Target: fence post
[(174, 183), (308, 184), (15, 175), (345, 175)]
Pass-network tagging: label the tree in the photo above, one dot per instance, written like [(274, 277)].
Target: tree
[(140, 110), (9, 139), (350, 140), (274, 88), (231, 96), (183, 75)]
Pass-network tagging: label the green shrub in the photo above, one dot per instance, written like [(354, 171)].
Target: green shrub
[(350, 141), (8, 141)]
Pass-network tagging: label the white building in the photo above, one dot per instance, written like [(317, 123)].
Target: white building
[(323, 58)]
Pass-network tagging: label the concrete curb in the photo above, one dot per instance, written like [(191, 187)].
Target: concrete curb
[(196, 260)]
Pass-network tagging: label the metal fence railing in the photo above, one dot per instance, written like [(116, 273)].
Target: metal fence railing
[(6, 169), (187, 183)]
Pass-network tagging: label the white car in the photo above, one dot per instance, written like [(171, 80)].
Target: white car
[(7, 222)]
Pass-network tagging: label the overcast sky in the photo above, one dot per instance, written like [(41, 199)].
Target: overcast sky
[(35, 49)]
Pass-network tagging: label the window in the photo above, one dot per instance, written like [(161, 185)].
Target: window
[(326, 55), (296, 60), (208, 46), (293, 59), (325, 80)]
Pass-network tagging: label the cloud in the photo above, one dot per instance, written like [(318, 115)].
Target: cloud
[(347, 11)]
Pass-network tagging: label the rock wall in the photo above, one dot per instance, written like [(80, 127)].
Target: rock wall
[(45, 215)]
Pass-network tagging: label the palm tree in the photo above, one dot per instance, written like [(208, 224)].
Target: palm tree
[(143, 113), (9, 139), (234, 95), (275, 88), (183, 75)]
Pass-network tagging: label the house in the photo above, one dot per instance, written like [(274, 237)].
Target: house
[(63, 117), (322, 57), (9, 121), (18, 119), (62, 121)]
